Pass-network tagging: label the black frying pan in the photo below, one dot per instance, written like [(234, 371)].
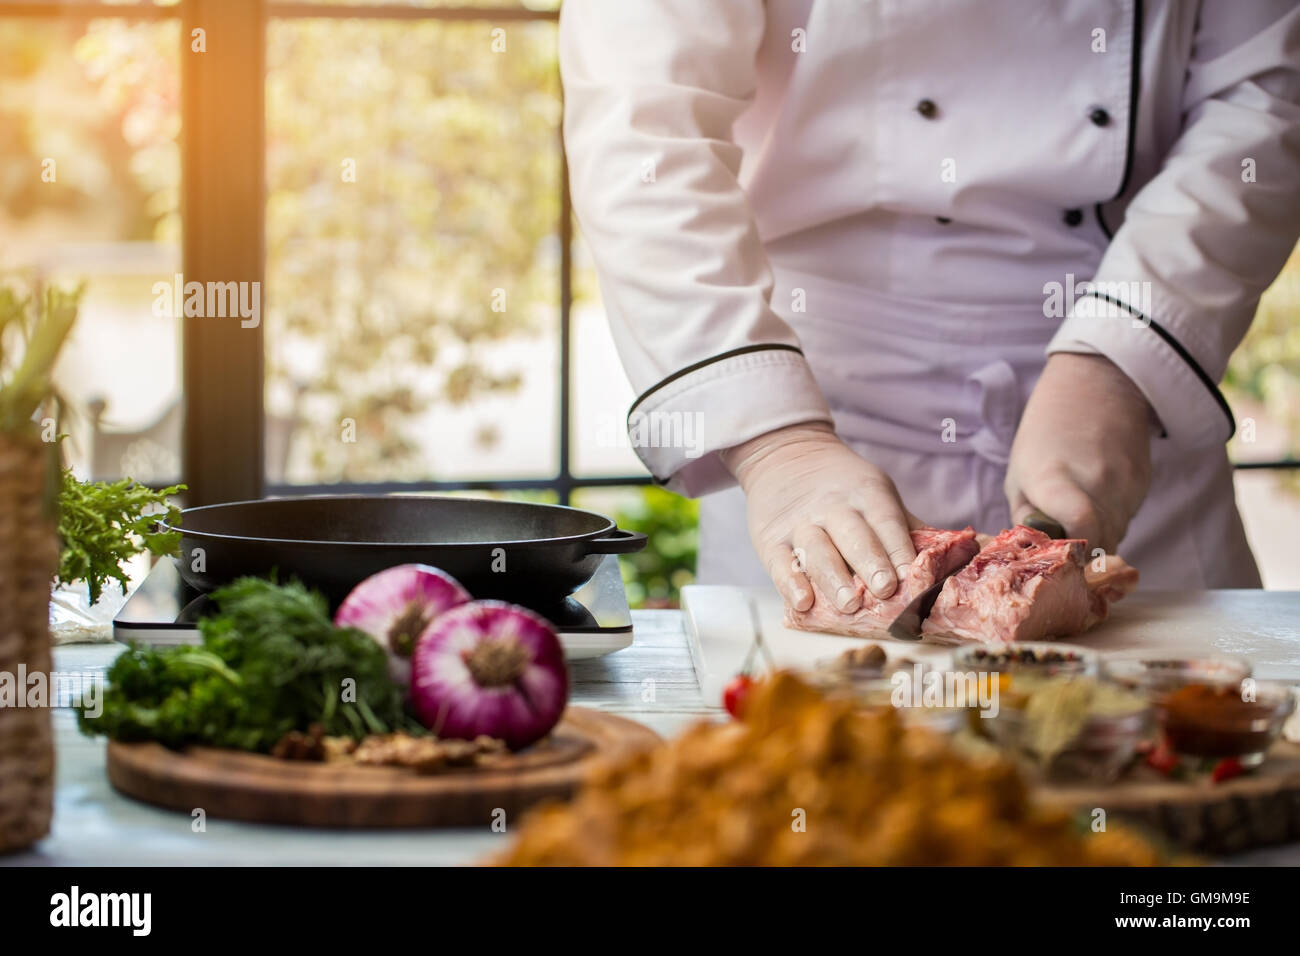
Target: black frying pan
[(494, 548)]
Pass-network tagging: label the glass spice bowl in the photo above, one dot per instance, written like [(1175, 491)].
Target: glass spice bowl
[(1155, 676), (1072, 728), (876, 687), (1035, 657), (1218, 721), (1099, 753)]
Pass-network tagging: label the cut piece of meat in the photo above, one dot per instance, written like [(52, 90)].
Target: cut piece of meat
[(1021, 586), (1108, 579), (938, 552), (1024, 586)]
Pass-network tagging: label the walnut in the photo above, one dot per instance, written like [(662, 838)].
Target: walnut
[(339, 748), (424, 754), (296, 745)]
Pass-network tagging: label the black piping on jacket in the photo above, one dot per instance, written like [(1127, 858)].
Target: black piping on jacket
[(706, 362), (1181, 352), (696, 367), (1134, 93)]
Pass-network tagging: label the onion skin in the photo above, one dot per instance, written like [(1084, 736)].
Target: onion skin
[(378, 605), (489, 668)]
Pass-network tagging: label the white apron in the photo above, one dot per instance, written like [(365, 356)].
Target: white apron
[(898, 374)]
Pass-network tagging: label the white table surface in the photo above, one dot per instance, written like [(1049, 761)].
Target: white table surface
[(652, 682)]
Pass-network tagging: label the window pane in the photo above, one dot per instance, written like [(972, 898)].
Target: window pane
[(1263, 379), (1270, 508), (1263, 386), (601, 392), (89, 186), (412, 251)]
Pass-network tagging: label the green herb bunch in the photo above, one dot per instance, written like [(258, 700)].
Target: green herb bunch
[(271, 661), (26, 379), (103, 524)]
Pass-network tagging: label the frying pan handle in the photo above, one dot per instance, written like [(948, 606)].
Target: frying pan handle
[(617, 541)]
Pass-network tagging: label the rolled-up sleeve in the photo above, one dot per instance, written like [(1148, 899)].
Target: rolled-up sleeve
[(1179, 283), (652, 89)]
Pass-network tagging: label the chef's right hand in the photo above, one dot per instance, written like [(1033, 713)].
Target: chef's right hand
[(817, 510)]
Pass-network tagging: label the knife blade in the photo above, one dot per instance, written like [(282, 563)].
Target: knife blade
[(907, 626)]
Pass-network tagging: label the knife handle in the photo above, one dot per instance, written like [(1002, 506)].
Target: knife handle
[(1041, 522)]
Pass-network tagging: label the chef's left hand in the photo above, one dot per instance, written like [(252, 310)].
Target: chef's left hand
[(1082, 453)]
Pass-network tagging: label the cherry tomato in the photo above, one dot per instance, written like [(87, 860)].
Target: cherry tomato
[(1162, 758), (737, 692), (1226, 769)]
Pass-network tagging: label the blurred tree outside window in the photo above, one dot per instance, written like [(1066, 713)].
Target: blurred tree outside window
[(412, 248)]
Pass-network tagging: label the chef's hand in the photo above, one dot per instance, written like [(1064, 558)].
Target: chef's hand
[(817, 509), (1082, 453)]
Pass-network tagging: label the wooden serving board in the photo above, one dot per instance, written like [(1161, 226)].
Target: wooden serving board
[(236, 785), (1261, 808)]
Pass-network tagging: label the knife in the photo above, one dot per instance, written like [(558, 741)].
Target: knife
[(907, 626), (1041, 522)]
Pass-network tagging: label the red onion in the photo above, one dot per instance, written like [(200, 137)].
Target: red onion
[(491, 668), (396, 605)]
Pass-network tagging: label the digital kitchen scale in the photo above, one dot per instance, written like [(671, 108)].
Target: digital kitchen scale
[(592, 621)]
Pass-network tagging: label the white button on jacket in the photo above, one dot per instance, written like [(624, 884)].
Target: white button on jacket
[(886, 214)]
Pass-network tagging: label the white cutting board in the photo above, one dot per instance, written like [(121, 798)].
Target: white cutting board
[(1261, 625)]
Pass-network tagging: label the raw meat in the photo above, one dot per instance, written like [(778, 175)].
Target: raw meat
[(1023, 586), (937, 553), (1109, 582)]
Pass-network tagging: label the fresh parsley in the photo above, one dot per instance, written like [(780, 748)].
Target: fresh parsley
[(271, 661), (103, 524)]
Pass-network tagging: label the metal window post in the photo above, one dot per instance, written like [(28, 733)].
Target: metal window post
[(223, 202)]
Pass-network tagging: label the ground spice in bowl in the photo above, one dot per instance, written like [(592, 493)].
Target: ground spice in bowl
[(1218, 720)]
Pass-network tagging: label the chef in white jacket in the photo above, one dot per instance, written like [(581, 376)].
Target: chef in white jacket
[(935, 261)]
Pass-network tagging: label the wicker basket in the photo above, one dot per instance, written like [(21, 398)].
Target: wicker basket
[(28, 560)]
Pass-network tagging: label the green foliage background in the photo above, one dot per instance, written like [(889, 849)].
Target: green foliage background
[(654, 577)]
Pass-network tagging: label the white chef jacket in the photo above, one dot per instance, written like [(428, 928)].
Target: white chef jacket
[(885, 215)]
